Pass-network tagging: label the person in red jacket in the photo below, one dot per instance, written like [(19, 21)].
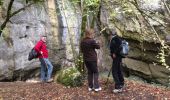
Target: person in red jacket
[(46, 66)]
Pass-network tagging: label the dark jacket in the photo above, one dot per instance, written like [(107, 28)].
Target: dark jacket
[(115, 45), (88, 46)]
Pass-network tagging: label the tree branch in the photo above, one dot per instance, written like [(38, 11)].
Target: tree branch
[(7, 17), (9, 14), (9, 9), (21, 9)]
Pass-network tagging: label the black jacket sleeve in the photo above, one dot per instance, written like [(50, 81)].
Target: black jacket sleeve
[(115, 45)]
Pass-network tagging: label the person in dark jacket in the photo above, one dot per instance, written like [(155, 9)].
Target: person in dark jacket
[(88, 46), (46, 66), (115, 48)]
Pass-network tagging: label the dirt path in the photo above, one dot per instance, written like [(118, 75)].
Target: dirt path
[(55, 91)]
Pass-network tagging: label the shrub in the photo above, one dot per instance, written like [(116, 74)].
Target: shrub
[(70, 77)]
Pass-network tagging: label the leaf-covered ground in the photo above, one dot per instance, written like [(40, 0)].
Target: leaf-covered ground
[(54, 91)]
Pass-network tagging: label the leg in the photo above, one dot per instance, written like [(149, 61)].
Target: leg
[(43, 78), (115, 66), (95, 74), (120, 73), (90, 74), (49, 68)]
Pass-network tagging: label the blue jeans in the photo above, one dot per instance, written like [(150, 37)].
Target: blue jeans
[(46, 69)]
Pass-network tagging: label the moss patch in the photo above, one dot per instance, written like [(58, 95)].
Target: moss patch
[(6, 37), (70, 77)]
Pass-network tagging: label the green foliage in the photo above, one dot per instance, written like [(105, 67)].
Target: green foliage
[(88, 4), (92, 4), (163, 54), (1, 2), (90, 8), (70, 77), (6, 36), (36, 1), (79, 63), (76, 1)]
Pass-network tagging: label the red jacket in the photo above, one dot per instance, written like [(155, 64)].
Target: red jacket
[(41, 46)]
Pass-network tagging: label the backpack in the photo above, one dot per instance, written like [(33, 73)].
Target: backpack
[(124, 48), (32, 54)]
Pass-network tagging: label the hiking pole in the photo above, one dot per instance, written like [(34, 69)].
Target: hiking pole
[(108, 75)]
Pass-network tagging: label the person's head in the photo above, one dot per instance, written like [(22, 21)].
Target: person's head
[(89, 33), (112, 33), (44, 38)]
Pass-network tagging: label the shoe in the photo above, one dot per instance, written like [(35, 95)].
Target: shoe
[(90, 89), (50, 80), (98, 89), (42, 81), (117, 90), (122, 85)]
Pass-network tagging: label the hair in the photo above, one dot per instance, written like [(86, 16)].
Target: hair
[(112, 32), (43, 35), (89, 32)]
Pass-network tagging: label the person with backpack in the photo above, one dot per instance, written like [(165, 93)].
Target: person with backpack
[(88, 46), (46, 66), (115, 49)]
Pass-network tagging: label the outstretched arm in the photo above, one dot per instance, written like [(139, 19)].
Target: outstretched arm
[(95, 45)]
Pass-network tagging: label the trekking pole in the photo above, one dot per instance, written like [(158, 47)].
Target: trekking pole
[(108, 75)]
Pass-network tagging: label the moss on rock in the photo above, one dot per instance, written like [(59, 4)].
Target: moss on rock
[(6, 36), (70, 77)]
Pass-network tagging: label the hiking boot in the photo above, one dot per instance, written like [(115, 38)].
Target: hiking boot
[(42, 81), (117, 90), (98, 89), (90, 89), (49, 80), (123, 87)]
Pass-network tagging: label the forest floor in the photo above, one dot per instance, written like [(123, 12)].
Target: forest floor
[(54, 91)]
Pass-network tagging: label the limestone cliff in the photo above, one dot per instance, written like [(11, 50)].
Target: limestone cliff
[(23, 31)]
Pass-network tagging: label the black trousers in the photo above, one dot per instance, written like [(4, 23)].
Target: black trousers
[(117, 72), (93, 74)]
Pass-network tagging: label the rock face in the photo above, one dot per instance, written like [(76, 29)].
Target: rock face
[(24, 31), (70, 29), (144, 48)]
